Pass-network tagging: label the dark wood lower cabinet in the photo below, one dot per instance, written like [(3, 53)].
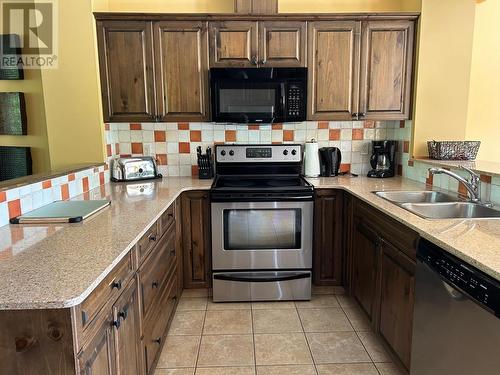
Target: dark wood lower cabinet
[(327, 253)]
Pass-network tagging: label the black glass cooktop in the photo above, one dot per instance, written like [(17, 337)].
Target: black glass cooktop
[(261, 183)]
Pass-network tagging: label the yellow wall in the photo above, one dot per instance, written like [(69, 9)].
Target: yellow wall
[(443, 71), (72, 101), (482, 120), (173, 6), (340, 6)]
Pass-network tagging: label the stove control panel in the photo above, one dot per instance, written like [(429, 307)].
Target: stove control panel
[(291, 153)]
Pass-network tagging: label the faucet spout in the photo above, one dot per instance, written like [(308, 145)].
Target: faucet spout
[(472, 186)]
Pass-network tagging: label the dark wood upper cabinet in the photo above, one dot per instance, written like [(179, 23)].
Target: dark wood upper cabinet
[(233, 44), (282, 43), (196, 239), (386, 73), (126, 64), (327, 253), (181, 70), (333, 61)]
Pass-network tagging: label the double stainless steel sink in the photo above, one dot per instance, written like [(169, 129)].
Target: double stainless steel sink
[(437, 205)]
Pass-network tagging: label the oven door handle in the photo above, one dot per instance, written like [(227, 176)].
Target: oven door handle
[(261, 277)]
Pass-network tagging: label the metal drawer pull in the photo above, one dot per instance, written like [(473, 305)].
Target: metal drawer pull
[(158, 340), (116, 284), (261, 278), (154, 284), (152, 237), (123, 314), (116, 323)]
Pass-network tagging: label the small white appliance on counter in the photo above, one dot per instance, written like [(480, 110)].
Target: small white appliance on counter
[(134, 169), (311, 159)]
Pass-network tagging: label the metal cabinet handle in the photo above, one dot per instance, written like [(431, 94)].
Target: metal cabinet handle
[(158, 340), (116, 323), (254, 60), (154, 284), (123, 314), (354, 116), (116, 284), (172, 253), (152, 237), (263, 61)]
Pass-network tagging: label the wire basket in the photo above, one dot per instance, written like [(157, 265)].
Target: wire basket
[(453, 150)]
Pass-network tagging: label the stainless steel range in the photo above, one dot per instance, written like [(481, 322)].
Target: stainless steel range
[(262, 217)]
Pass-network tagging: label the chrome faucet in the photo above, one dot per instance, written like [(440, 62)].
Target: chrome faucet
[(473, 185)]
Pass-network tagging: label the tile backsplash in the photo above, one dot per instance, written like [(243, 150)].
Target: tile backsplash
[(174, 144)]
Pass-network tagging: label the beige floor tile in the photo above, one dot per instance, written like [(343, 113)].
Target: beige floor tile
[(229, 305), (276, 321), (179, 351), (190, 293), (273, 305), (324, 320), (225, 371), (337, 347), (228, 322), (388, 369), (318, 301), (187, 323), (186, 304), (374, 347), (322, 289), (338, 290), (282, 349), (358, 319), (347, 369), (226, 350), (347, 302), (175, 371), (286, 370)]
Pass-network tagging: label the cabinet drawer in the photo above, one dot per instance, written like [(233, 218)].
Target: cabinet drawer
[(109, 289), (147, 242), (157, 322), (154, 273), (166, 219)]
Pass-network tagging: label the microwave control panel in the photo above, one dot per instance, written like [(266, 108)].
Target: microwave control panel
[(295, 101)]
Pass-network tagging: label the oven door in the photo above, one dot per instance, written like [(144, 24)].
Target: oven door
[(262, 235)]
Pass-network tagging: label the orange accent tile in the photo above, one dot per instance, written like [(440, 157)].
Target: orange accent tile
[(16, 235), (160, 135), (117, 148), (106, 126), (277, 126), (125, 155), (288, 135), (135, 127), (402, 124), (430, 180), (410, 163), (14, 208), (71, 177), (400, 169), (485, 178), (3, 196), (406, 147), (357, 134), (161, 159), (345, 167), (47, 184), (85, 184), (108, 150), (86, 196), (253, 127), (462, 190), (194, 170), (277, 143), (183, 126), (334, 135), (231, 135), (102, 190), (369, 124), (323, 125), (64, 192), (184, 148), (137, 148), (101, 178), (195, 135)]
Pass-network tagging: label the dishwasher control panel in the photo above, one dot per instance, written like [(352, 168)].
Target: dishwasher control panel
[(482, 288)]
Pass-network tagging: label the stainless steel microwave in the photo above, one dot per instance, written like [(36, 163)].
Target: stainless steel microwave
[(258, 95)]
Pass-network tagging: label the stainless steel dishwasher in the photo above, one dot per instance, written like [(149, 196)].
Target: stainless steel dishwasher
[(456, 327)]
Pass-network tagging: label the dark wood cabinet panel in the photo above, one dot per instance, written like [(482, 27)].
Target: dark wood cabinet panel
[(386, 73), (333, 61), (196, 240), (233, 44), (282, 44), (397, 296), (126, 69), (327, 253), (181, 70)]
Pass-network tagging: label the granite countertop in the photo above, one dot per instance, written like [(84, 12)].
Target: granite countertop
[(58, 266)]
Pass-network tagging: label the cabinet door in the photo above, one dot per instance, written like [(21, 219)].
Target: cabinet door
[(196, 239), (126, 69), (127, 331), (397, 296), (386, 70), (233, 44), (98, 355), (282, 43), (333, 61), (365, 248), (327, 255), (181, 70)]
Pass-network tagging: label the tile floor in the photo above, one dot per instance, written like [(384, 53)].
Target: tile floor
[(326, 336)]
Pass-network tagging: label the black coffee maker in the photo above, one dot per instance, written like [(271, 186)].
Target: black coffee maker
[(383, 159), (329, 160)]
